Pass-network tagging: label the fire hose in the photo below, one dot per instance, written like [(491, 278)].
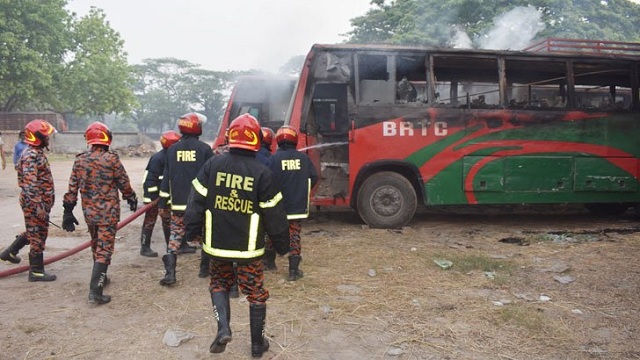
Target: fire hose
[(78, 248)]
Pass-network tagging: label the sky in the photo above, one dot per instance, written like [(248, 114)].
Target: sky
[(225, 35)]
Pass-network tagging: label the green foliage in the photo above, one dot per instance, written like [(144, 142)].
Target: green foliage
[(49, 59), (97, 79), (168, 88), (34, 38), (435, 23)]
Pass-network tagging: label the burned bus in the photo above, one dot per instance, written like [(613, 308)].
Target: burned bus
[(389, 128)]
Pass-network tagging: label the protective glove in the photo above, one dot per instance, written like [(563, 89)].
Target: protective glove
[(68, 221), (162, 202), (281, 243), (133, 203)]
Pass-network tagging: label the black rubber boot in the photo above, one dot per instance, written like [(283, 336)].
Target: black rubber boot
[(222, 312), (167, 236), (97, 284), (10, 254), (233, 292), (269, 260), (294, 272), (204, 264), (185, 248), (145, 244), (169, 261), (36, 273), (257, 316)]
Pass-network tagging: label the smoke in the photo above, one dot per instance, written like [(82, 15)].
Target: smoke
[(513, 30), (461, 40)]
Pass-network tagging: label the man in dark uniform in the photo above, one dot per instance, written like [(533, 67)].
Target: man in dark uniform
[(293, 171), (99, 176), (235, 199), (263, 155), (36, 199), (183, 161), (151, 187)]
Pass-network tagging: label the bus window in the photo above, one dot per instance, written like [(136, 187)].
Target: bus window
[(411, 77), (376, 84), (536, 83), (604, 86), (329, 110), (466, 81)]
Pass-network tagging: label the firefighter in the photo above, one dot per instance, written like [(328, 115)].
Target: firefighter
[(151, 187), (263, 155), (235, 199), (98, 174), (36, 199), (294, 172), (183, 161), (19, 148)]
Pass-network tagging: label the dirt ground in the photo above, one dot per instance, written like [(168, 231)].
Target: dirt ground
[(525, 283)]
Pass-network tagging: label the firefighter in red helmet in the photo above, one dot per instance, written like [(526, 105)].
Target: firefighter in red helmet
[(151, 187), (183, 161), (36, 199), (265, 148), (294, 172), (235, 200), (99, 176)]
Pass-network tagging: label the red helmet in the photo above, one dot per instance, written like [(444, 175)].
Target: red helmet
[(267, 136), (169, 138), (244, 133), (36, 131), (98, 133), (287, 134), (191, 123)]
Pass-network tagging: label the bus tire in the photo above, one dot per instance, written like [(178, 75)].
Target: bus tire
[(607, 209), (386, 200)]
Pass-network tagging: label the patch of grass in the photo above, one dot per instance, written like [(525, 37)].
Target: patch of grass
[(531, 320), (473, 262), (523, 317), (29, 328)]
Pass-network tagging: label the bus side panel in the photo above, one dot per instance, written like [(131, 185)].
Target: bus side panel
[(536, 157)]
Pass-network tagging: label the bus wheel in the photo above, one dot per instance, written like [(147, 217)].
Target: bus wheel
[(610, 209), (386, 200)]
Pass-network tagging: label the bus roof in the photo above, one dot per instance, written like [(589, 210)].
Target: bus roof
[(554, 47)]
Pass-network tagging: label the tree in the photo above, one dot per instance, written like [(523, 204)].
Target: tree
[(97, 79), (168, 88), (50, 59), (34, 38), (436, 23)]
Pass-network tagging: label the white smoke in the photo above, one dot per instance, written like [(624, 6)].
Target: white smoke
[(513, 30), (461, 40)]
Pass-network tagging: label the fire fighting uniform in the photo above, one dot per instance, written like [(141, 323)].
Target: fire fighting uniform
[(294, 172), (98, 174), (36, 200), (183, 161), (263, 155), (235, 200), (151, 189)]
